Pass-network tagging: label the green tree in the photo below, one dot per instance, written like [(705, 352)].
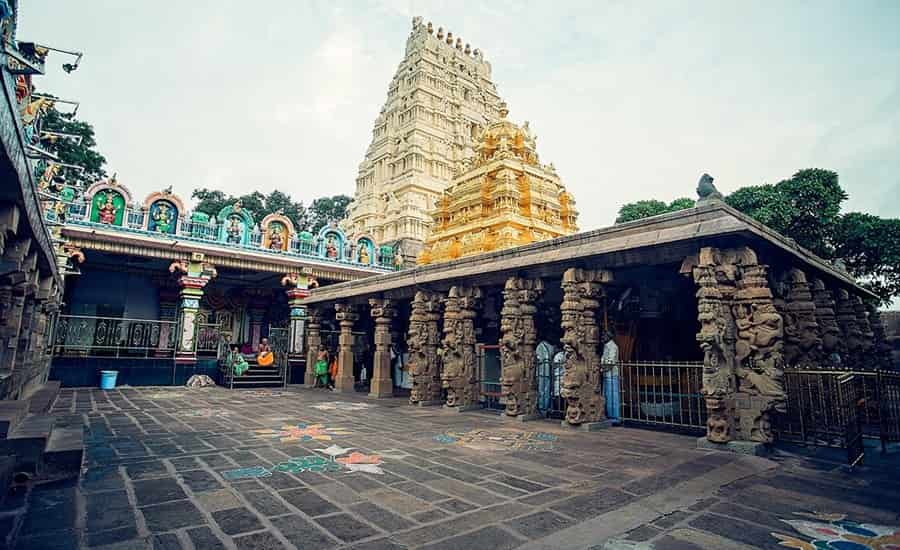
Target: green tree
[(326, 209), (213, 201), (82, 154), (646, 208), (870, 248)]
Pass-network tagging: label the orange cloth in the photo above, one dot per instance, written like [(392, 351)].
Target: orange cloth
[(265, 358), (332, 370)]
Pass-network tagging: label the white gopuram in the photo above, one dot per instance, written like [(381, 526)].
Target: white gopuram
[(437, 102)]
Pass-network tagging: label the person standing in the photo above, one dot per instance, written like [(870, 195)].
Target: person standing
[(609, 361), (321, 367)]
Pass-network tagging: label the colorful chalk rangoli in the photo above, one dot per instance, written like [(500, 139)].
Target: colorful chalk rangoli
[(246, 473), (341, 406), (301, 432), (311, 463), (499, 440), (835, 532), (202, 413)]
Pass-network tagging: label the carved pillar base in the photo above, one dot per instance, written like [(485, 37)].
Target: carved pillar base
[(346, 316)]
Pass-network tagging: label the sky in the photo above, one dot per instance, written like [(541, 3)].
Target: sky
[(630, 100)]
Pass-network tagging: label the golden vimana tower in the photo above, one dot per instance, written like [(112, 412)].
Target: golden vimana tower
[(503, 197)]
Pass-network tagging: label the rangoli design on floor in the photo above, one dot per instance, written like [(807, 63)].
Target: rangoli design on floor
[(835, 532), (353, 462), (301, 432), (262, 393), (165, 395), (499, 440), (341, 406)]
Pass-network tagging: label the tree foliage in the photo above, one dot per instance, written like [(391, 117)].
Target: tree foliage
[(646, 208), (82, 154), (807, 208), (319, 213)]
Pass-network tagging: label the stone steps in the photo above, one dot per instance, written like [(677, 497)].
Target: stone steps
[(11, 413)]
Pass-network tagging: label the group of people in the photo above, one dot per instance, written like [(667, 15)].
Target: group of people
[(238, 361)]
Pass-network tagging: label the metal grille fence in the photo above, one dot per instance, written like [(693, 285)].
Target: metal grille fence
[(91, 336), (665, 394)]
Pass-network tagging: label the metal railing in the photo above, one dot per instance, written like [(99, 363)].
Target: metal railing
[(490, 390), (209, 339), (666, 393), (92, 336), (817, 411)]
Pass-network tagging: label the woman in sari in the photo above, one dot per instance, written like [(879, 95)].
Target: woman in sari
[(321, 367), (238, 364)]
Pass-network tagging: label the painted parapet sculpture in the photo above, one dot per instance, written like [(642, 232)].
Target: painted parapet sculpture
[(460, 370), (825, 317), (802, 343), (759, 345), (423, 340), (517, 342), (582, 381)]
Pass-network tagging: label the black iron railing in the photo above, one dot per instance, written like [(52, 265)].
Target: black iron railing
[(665, 393), (92, 336)]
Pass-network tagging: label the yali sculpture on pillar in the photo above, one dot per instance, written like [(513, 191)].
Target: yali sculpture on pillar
[(423, 339), (517, 343), (460, 370), (582, 385)]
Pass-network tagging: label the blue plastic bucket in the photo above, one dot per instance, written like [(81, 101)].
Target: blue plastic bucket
[(108, 379)]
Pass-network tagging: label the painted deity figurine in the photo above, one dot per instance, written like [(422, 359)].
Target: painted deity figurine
[(276, 242), (363, 254), (331, 248), (163, 218), (234, 231), (108, 211)]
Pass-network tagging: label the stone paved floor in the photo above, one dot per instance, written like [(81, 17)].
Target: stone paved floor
[(170, 468)]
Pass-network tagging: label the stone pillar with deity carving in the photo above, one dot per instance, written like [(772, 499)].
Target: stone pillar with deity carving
[(883, 356), (852, 335), (346, 315), (517, 342), (193, 277), (867, 337), (17, 270), (742, 337), (298, 285), (383, 312), (459, 375), (802, 340), (759, 360), (829, 330), (582, 383), (423, 339), (313, 341)]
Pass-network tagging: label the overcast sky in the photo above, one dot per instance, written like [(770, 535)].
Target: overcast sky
[(629, 100)]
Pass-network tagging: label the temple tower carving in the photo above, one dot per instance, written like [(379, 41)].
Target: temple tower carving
[(829, 330), (852, 335), (459, 375), (437, 101), (582, 385), (802, 343), (517, 342), (423, 339)]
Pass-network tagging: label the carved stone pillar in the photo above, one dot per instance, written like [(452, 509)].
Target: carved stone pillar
[(168, 312), (582, 384), (518, 338), (298, 288), (383, 312), (346, 316), (193, 277), (867, 337), (802, 343), (423, 339), (460, 371), (759, 361), (883, 353), (741, 334), (17, 268), (852, 335), (716, 339), (12, 304), (313, 341), (825, 317)]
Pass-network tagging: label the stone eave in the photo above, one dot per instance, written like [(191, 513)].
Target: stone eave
[(691, 226), (92, 238)]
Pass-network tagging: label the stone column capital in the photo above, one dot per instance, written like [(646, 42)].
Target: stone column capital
[(346, 313), (383, 309)]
